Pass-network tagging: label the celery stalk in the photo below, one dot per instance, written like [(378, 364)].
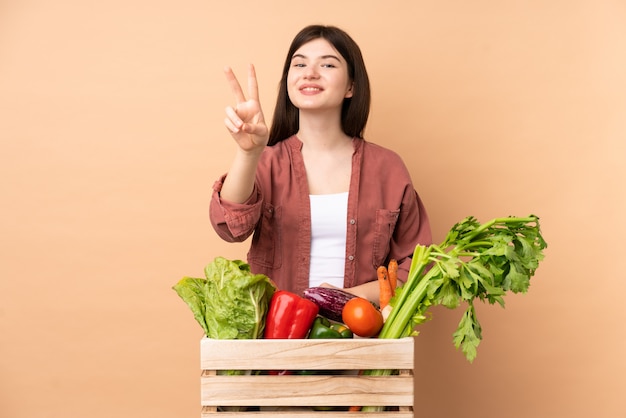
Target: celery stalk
[(474, 261)]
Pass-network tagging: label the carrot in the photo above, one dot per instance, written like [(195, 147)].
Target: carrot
[(392, 271), (384, 287)]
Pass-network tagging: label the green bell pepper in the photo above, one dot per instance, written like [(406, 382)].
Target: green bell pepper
[(343, 330), (323, 328)]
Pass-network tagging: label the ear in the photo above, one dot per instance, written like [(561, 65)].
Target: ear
[(350, 91)]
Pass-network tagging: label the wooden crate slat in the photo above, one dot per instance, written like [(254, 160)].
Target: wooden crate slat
[(336, 382), (348, 354), (307, 414), (321, 390)]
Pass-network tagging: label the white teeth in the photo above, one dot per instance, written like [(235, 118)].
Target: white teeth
[(310, 89)]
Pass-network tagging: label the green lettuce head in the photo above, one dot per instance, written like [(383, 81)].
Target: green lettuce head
[(231, 303)]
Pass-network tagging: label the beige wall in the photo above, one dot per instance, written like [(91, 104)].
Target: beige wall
[(111, 137)]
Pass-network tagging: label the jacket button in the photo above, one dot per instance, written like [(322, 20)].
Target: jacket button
[(350, 257), (352, 221)]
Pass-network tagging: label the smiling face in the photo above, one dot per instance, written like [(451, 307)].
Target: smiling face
[(354, 92), (318, 77)]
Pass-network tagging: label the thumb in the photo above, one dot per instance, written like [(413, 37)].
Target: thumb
[(254, 129)]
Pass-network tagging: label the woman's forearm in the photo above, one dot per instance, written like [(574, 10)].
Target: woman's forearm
[(239, 182)]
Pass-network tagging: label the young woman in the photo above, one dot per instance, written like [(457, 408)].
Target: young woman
[(323, 205)]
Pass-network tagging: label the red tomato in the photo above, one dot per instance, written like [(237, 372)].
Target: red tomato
[(362, 317)]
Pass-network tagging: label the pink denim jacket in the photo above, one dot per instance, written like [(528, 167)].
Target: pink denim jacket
[(386, 217)]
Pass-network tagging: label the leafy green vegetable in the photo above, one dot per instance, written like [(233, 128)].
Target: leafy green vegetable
[(231, 303), (475, 261)]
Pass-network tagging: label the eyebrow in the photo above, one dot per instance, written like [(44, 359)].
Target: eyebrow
[(322, 57)]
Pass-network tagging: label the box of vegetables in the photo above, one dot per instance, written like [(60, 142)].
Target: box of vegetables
[(267, 351)]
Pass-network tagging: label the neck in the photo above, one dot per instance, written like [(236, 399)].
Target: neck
[(321, 130)]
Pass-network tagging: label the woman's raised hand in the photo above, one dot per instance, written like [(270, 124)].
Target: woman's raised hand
[(245, 120)]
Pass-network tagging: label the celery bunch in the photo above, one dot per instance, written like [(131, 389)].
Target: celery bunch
[(475, 261)]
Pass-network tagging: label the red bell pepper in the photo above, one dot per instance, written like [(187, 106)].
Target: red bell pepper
[(289, 316)]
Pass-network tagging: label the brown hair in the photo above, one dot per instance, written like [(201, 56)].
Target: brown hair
[(355, 110)]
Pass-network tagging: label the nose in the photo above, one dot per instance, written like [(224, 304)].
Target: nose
[(311, 72)]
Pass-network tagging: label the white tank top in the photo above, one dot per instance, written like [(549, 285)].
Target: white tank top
[(329, 213)]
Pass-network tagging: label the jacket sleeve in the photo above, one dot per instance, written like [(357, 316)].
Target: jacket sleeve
[(234, 222), (413, 228)]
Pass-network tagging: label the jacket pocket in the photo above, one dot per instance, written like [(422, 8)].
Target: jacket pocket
[(385, 225), (265, 249)]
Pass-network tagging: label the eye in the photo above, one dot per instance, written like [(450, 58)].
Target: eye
[(329, 65)]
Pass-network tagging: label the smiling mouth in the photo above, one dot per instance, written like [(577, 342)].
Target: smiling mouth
[(310, 89)]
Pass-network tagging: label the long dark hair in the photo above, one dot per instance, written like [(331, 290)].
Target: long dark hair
[(355, 110)]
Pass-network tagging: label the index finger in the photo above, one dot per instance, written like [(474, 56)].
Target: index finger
[(253, 86), (235, 87)]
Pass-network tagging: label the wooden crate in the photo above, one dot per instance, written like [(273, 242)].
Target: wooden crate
[(336, 382)]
